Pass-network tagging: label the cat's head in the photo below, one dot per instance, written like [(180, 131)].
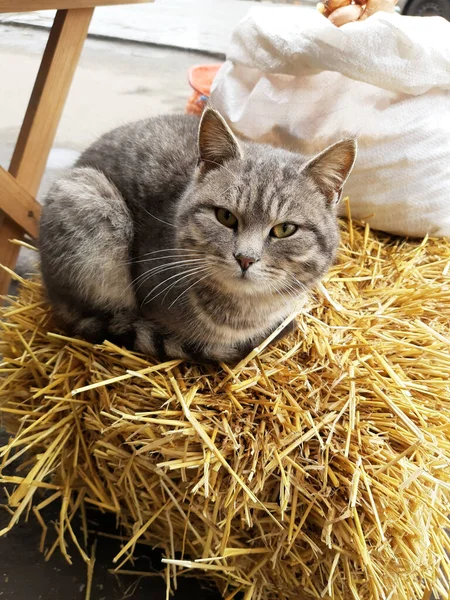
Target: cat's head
[(263, 219)]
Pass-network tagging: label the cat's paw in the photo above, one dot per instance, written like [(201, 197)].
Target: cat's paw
[(234, 354), (214, 354)]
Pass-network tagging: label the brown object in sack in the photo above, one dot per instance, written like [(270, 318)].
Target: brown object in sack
[(332, 5), (320, 7), (374, 6), (340, 12), (345, 14)]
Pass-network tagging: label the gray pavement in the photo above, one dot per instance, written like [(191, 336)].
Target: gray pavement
[(201, 25)]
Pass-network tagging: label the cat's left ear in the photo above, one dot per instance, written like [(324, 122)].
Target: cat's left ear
[(330, 169), (216, 141)]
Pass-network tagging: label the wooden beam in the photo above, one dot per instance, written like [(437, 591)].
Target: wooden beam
[(18, 204), (42, 117), (8, 252), (47, 100), (12, 6)]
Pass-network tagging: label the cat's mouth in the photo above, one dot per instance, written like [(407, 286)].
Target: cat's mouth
[(238, 282), (246, 276), (234, 280), (248, 282)]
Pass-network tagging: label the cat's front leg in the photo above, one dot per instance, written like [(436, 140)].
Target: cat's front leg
[(154, 340), (232, 354), (164, 345)]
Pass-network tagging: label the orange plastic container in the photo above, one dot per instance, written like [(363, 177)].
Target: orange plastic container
[(200, 80)]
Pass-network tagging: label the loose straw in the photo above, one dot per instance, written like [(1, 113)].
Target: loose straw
[(318, 467)]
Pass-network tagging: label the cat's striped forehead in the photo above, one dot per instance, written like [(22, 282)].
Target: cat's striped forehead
[(273, 187)]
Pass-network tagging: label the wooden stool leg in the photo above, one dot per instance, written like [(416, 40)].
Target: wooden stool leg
[(42, 117), (8, 252)]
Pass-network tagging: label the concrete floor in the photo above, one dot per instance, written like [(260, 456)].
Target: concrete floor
[(115, 83), (203, 25)]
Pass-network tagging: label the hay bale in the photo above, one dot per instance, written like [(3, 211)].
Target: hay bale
[(317, 468)]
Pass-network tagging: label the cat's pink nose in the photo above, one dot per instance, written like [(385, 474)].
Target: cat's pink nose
[(244, 261)]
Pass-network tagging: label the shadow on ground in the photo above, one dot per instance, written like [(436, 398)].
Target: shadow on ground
[(26, 575)]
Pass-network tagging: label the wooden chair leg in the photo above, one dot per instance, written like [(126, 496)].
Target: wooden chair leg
[(44, 111)]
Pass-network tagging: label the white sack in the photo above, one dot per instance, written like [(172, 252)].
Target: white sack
[(294, 79)]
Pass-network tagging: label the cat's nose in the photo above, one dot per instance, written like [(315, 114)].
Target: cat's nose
[(245, 261)]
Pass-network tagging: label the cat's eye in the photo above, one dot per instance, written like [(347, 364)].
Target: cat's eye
[(225, 217), (283, 230)]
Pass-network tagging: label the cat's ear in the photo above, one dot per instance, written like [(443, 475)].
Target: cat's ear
[(331, 168), (216, 141)]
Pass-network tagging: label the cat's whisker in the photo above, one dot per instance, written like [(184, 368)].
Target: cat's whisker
[(175, 262), (190, 287), (301, 285), (225, 191), (283, 291), (166, 267), (220, 165), (273, 287), (158, 219), (168, 250), (149, 297), (169, 265), (295, 290), (145, 277), (175, 283), (183, 254), (172, 285), (288, 288), (136, 262)]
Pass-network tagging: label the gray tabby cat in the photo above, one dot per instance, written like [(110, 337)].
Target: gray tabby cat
[(172, 238)]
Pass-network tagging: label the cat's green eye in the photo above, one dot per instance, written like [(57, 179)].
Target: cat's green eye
[(225, 217), (283, 230)]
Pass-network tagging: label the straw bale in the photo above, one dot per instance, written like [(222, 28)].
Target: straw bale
[(316, 468)]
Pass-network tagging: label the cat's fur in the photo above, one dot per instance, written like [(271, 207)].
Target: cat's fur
[(132, 249)]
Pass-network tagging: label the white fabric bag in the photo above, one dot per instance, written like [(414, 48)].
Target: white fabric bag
[(293, 79)]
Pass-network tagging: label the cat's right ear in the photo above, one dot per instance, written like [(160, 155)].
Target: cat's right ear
[(331, 168), (216, 142)]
